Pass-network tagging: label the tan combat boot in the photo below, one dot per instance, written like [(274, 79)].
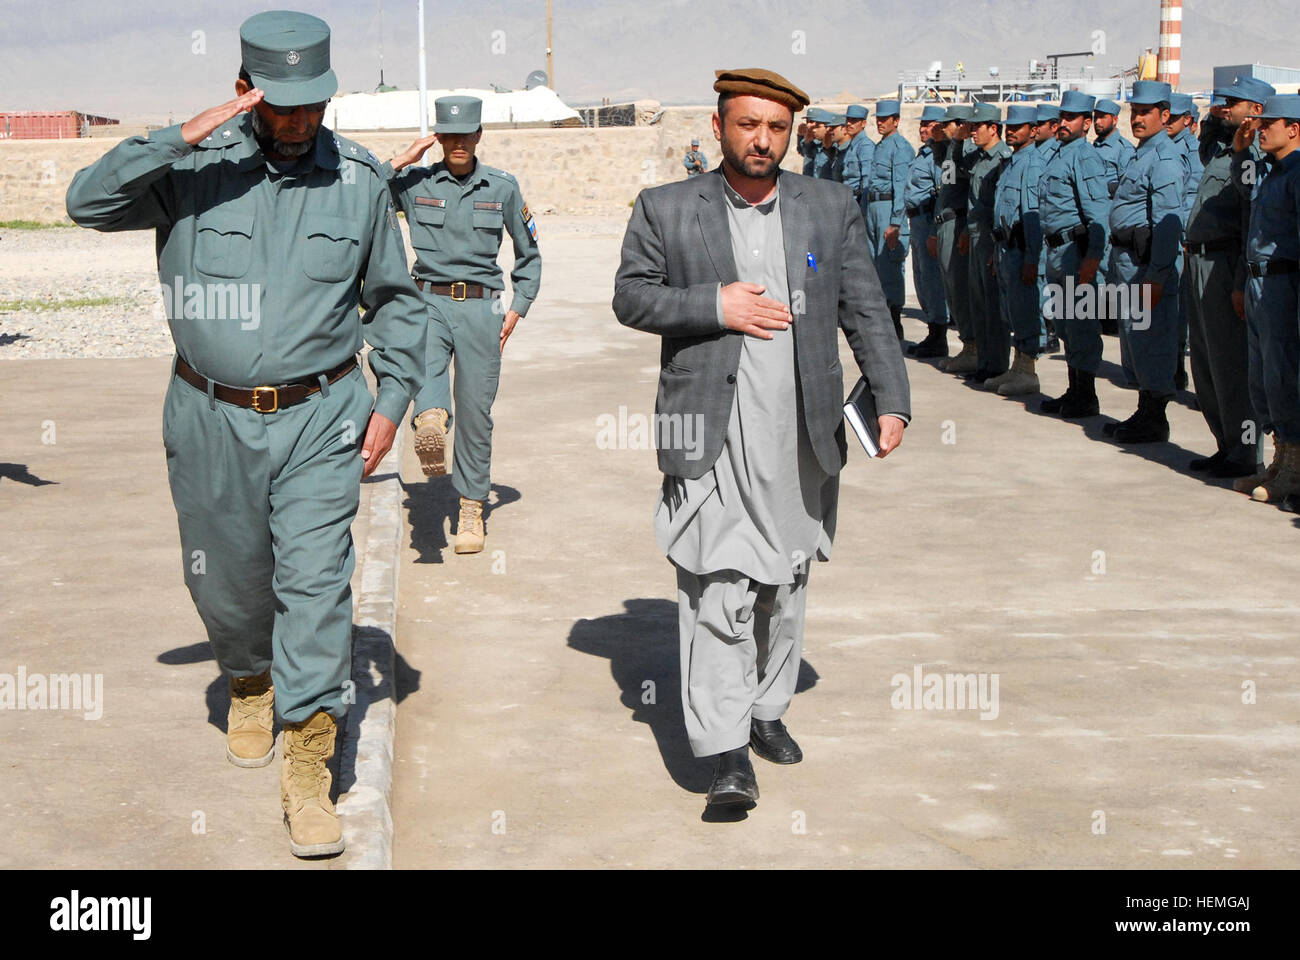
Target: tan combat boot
[(1247, 485), (1022, 378), (314, 829), (469, 530), (964, 362), (250, 741), (431, 441), (1287, 479)]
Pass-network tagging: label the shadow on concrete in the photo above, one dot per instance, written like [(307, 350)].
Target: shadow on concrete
[(641, 645), (433, 506), (8, 338), (20, 473)]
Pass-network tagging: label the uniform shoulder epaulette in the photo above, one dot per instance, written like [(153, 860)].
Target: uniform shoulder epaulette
[(351, 150), (499, 174), (226, 135)]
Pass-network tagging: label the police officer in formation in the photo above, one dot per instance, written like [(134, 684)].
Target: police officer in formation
[(810, 142), (857, 152), (882, 206), (1272, 300), (456, 210), (953, 158), (1214, 280), (837, 141), (1182, 130), (268, 425), (1019, 236), (695, 161), (1073, 207), (919, 205), (992, 337)]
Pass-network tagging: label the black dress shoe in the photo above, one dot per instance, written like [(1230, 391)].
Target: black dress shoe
[(773, 742), (1207, 463), (733, 779), (1230, 468)]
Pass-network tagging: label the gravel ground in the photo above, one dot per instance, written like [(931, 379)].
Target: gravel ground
[(71, 264)]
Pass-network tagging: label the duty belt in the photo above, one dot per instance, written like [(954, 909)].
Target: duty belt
[(1136, 239), (924, 210), (1061, 237), (1015, 237), (1272, 268), (460, 290), (263, 399), (873, 196), (945, 216), (1212, 246)]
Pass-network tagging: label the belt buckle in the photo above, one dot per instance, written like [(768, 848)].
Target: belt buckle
[(257, 401), (464, 290)]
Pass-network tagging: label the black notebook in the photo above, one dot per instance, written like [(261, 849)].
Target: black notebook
[(860, 411)]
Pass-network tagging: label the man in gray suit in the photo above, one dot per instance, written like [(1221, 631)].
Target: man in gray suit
[(745, 273)]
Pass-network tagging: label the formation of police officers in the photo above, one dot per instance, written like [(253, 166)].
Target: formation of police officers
[(1026, 235)]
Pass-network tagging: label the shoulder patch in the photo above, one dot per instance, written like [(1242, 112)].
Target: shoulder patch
[(529, 222)]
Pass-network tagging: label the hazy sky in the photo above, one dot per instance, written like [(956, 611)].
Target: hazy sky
[(147, 59)]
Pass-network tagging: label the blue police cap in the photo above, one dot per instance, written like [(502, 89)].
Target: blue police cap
[(1285, 105), (933, 112), (457, 114), (857, 112), (817, 115), (1181, 103), (695, 143), (886, 108), (1247, 88), (1019, 113), (1107, 106), (1074, 101), (287, 56), (985, 113), (1048, 111), (1148, 92), (958, 111), (836, 120), (1218, 100)]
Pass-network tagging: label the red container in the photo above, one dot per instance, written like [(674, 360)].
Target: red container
[(40, 124)]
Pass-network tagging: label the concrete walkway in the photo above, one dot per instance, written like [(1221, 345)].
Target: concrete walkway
[(1121, 601)]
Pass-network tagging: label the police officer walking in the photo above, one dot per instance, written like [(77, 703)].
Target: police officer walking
[(456, 210), (1146, 225), (695, 162), (918, 202), (992, 336), (1073, 204), (882, 205), (1019, 236), (1213, 281), (1273, 296), (267, 422)]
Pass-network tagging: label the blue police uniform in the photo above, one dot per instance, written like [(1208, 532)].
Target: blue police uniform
[(882, 205), (919, 201), (953, 159), (857, 155), (1019, 233), (992, 336)]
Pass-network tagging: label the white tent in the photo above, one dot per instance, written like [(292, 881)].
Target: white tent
[(400, 109)]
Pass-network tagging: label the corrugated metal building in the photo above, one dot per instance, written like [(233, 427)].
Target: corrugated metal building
[(47, 124), (1284, 78)]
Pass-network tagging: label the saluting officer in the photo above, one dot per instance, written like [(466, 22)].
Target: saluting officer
[(1019, 236), (1146, 225), (918, 202), (882, 205), (255, 197), (1213, 284), (1272, 303), (695, 161), (953, 164), (1073, 203), (810, 139), (837, 138), (858, 152), (1215, 132), (456, 210), (819, 129), (992, 337)]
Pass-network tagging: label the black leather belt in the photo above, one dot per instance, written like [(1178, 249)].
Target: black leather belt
[(924, 210), (1061, 237), (460, 290), (1213, 246), (263, 399), (873, 196), (1272, 268), (944, 216), (1015, 237)]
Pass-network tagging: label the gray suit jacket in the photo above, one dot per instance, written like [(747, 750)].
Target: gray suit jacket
[(678, 248)]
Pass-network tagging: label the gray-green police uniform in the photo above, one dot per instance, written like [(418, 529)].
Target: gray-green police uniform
[(265, 500), (456, 231)]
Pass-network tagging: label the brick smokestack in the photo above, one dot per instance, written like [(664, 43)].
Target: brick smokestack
[(1169, 64)]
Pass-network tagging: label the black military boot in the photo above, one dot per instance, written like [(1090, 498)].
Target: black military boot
[(1149, 424), (935, 344), (1084, 402), (897, 313), (1109, 428), (1053, 404)]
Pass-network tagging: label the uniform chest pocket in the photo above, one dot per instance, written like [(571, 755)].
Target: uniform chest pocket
[(428, 224), (330, 253), (223, 246), (487, 231)]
